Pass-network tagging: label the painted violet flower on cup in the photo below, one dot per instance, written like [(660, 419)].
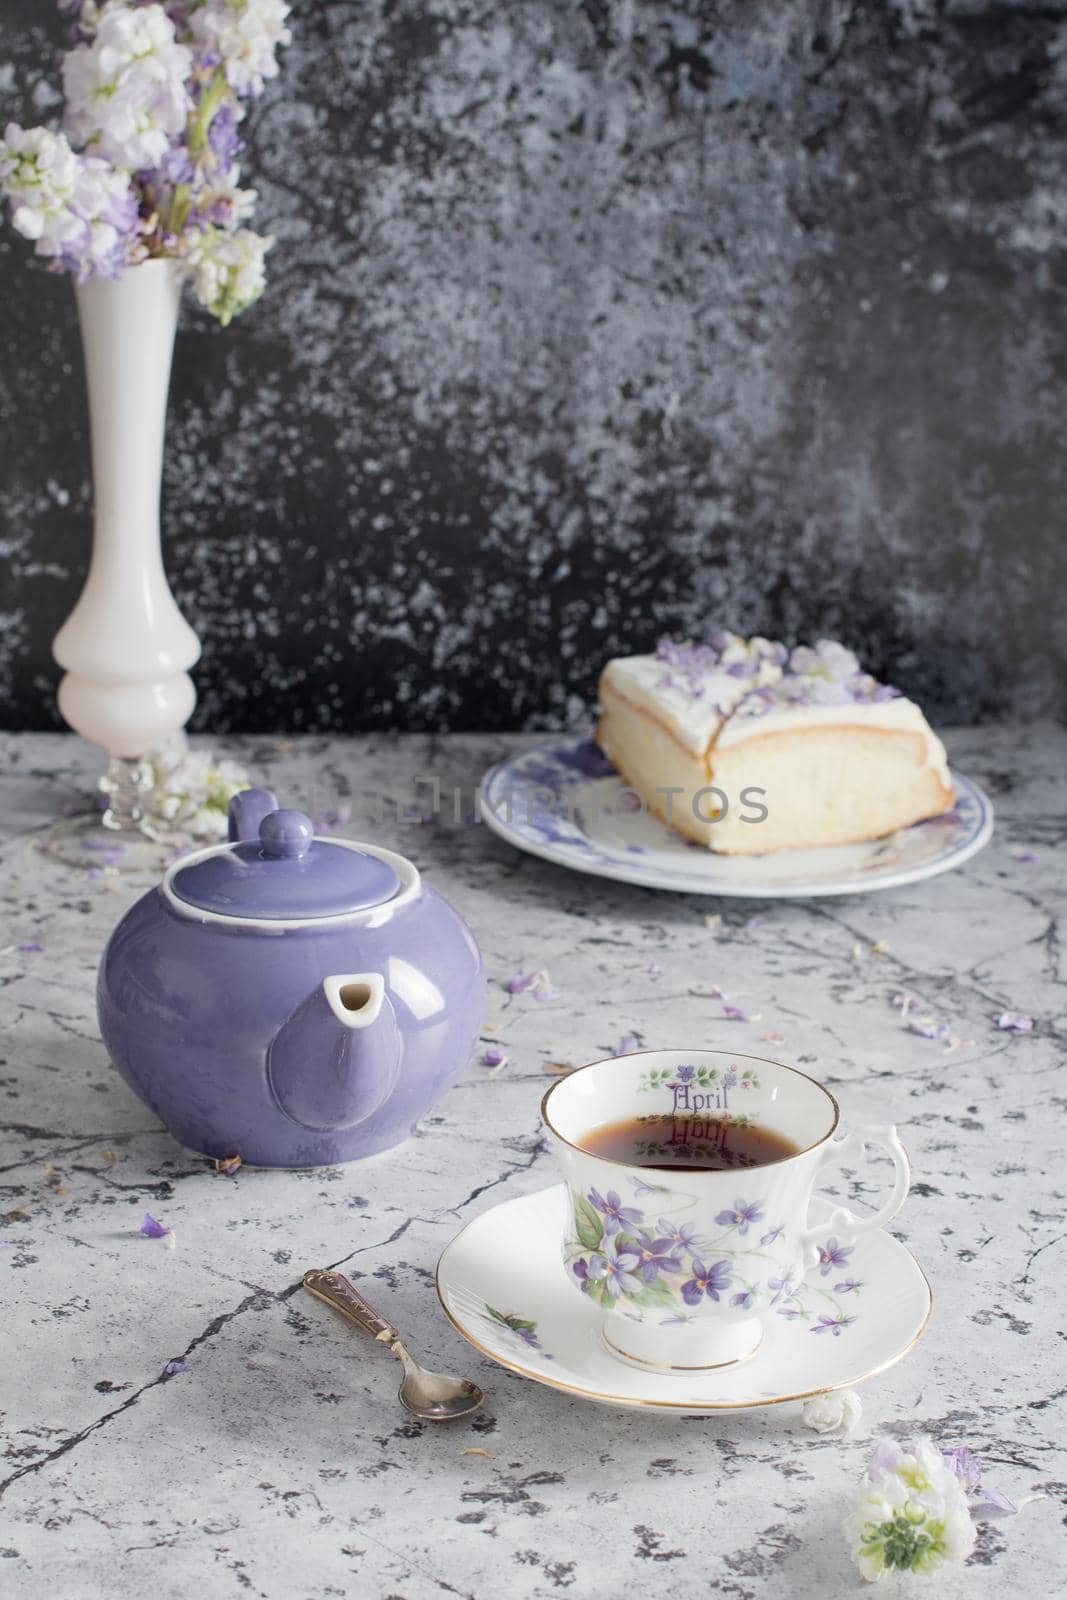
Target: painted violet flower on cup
[(642, 1259), (147, 164)]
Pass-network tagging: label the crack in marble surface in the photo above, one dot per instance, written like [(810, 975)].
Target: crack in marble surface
[(278, 1461)]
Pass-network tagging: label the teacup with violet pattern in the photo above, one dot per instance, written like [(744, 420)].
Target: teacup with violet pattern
[(686, 1265)]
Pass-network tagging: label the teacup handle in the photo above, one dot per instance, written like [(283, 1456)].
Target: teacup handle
[(841, 1219)]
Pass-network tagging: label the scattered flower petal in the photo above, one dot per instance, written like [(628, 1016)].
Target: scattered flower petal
[(713, 921), (229, 1165), (858, 952), (881, 948), (734, 1013), (1015, 1022), (1026, 855), (539, 984), (628, 1044), (31, 947), (836, 1412), (153, 1229), (493, 1057), (172, 1367), (773, 1038)]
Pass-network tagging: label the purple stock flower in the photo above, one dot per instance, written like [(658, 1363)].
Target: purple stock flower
[(615, 1214), (656, 1256), (225, 142), (743, 1213), (617, 1273), (832, 1254), (711, 1281), (832, 1325)]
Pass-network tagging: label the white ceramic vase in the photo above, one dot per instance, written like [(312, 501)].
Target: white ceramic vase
[(126, 649)]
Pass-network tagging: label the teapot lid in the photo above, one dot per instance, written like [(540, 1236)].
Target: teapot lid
[(280, 871)]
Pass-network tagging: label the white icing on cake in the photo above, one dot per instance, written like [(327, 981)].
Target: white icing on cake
[(715, 696)]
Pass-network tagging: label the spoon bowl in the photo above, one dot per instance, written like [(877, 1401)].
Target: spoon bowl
[(432, 1396)]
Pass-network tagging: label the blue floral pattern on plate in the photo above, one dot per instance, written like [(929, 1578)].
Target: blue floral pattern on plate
[(563, 801)]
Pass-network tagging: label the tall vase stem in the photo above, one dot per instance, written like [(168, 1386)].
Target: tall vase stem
[(126, 647)]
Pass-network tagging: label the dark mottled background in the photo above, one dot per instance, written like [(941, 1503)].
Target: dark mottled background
[(588, 321)]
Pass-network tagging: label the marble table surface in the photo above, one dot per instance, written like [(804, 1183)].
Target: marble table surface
[(278, 1464)]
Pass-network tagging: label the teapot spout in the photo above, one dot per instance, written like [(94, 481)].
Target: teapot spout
[(337, 1057)]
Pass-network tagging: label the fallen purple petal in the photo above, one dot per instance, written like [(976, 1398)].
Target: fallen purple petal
[(735, 1013), (1026, 855), (493, 1057), (1015, 1022), (172, 1367), (628, 1044), (520, 982), (152, 1228), (31, 945), (993, 1503)]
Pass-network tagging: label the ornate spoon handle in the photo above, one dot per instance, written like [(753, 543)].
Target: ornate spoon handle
[(339, 1292)]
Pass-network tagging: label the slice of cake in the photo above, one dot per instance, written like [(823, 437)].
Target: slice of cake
[(747, 747)]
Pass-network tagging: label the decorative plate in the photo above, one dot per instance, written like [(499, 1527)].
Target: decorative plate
[(564, 801), (502, 1283)]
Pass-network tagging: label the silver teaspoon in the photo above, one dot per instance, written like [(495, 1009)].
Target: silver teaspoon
[(433, 1396)]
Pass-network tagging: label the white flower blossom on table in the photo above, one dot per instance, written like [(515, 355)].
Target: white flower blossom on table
[(912, 1515), (148, 168), (837, 1412), (245, 36), (126, 91), (193, 791)]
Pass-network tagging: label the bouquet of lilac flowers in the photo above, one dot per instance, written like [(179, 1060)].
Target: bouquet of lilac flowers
[(147, 165)]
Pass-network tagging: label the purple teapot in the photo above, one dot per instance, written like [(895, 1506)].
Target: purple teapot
[(292, 1000)]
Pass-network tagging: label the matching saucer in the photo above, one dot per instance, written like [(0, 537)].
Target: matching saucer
[(501, 1282)]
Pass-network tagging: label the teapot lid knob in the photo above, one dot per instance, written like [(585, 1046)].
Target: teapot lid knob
[(286, 833)]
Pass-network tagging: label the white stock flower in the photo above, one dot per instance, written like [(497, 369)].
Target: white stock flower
[(192, 791), (912, 1515), (836, 1412), (126, 91), (38, 173), (227, 269), (244, 34), (77, 209)]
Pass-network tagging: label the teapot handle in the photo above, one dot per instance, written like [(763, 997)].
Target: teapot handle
[(247, 810)]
